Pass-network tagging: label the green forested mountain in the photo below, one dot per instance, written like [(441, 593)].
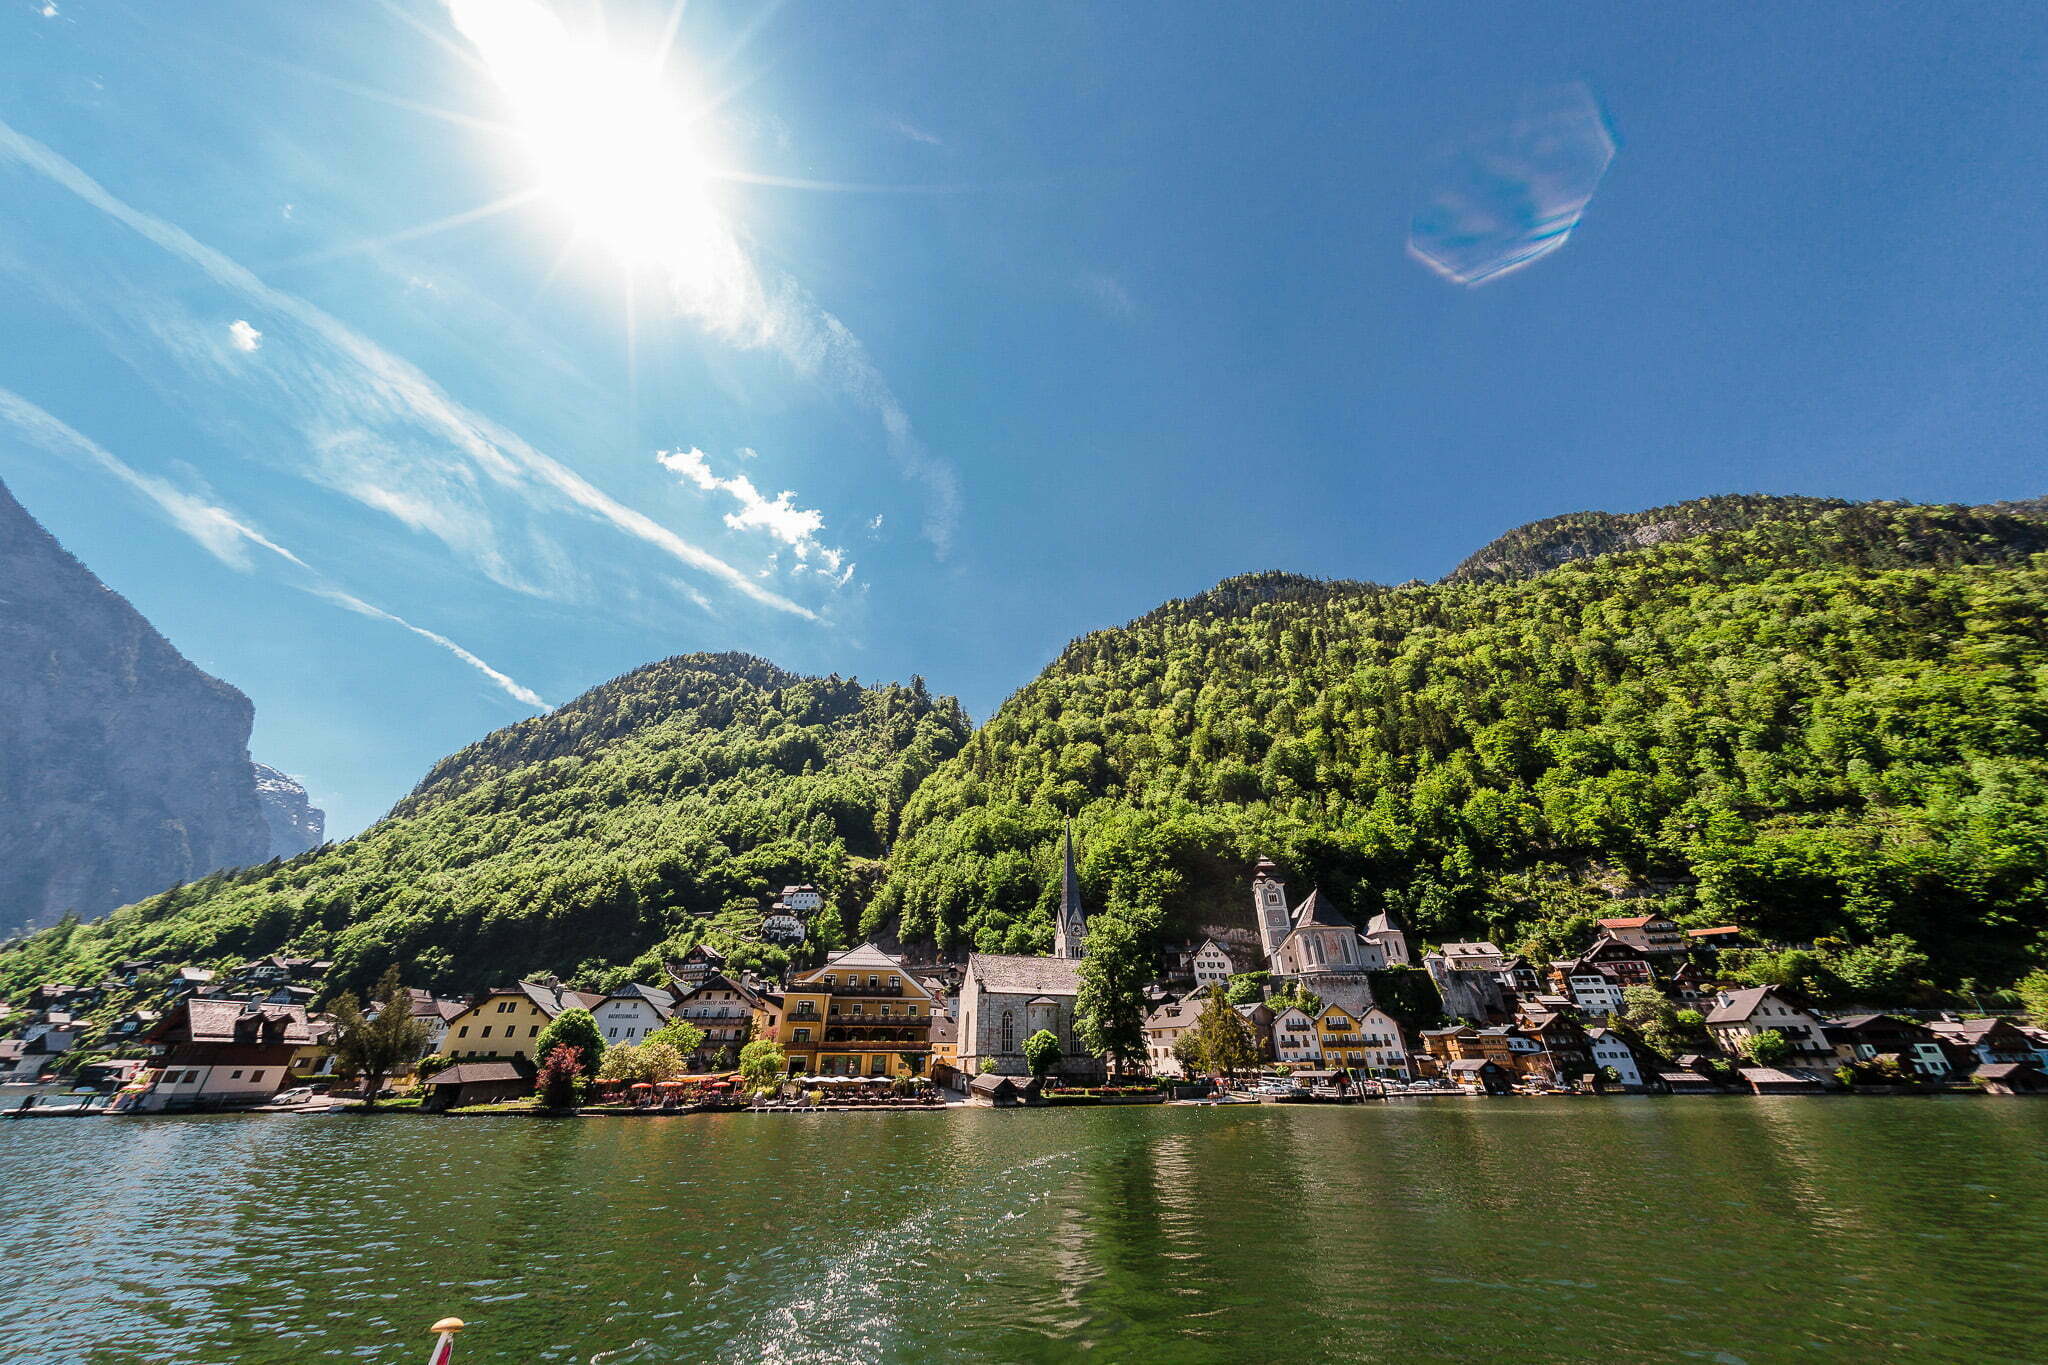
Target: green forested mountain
[(1815, 720), (644, 813), (1821, 721)]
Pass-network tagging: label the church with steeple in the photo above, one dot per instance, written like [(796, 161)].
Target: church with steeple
[(1070, 923), (1007, 997), (1315, 945)]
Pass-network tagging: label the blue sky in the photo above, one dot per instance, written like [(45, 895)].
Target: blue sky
[(413, 364)]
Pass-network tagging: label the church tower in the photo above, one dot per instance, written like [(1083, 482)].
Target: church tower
[(1070, 923), (1269, 905)]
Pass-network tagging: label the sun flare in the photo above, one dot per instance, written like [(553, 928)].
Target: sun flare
[(609, 137)]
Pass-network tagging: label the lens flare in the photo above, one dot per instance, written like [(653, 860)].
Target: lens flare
[(1513, 195)]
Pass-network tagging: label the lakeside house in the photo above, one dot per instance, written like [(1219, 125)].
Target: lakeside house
[(2012, 1078), (1611, 1050), (863, 1013), (1480, 1076), (464, 1083), (1740, 1014), (1296, 1039), (1166, 1026), (1366, 1041), (1985, 1042), (631, 1012), (1868, 1037), (723, 1006), (506, 1021), (223, 1053)]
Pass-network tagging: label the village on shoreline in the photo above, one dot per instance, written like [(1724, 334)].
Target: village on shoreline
[(1307, 1008)]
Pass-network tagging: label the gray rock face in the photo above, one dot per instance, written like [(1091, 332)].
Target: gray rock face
[(295, 824), (123, 768)]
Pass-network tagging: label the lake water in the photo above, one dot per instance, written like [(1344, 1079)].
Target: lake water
[(1730, 1230)]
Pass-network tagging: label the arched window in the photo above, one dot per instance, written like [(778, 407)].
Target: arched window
[(1008, 1038)]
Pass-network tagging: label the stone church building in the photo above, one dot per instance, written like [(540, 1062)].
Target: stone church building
[(1314, 944), (1005, 998)]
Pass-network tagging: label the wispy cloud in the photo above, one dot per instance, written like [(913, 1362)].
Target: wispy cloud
[(397, 428), (221, 532), (1108, 293), (218, 531), (356, 604), (244, 337), (779, 516), (903, 127), (711, 274)]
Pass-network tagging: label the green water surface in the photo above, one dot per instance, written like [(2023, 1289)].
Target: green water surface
[(1678, 1229)]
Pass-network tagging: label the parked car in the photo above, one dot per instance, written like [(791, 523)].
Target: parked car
[(297, 1095)]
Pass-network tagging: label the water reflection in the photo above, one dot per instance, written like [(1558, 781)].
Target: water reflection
[(1451, 1229)]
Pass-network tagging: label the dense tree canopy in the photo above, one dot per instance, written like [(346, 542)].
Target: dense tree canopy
[(1828, 723), (644, 814)]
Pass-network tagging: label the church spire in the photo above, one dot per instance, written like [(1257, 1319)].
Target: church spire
[(1071, 921)]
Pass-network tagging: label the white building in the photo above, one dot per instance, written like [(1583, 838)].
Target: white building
[(805, 899), (1295, 1039), (1592, 991), (1610, 1049), (1392, 943), (1164, 1028), (632, 1012), (1739, 1014), (1211, 963), (1386, 1051)]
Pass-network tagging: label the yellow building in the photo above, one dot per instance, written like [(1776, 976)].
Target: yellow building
[(861, 1014), (1342, 1039), (507, 1022)]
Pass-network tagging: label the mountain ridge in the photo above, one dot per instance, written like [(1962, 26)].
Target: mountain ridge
[(1810, 716)]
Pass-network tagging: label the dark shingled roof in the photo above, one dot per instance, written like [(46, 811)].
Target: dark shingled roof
[(1013, 975), (469, 1073), (1317, 910)]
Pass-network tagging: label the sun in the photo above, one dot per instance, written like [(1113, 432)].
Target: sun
[(609, 137)]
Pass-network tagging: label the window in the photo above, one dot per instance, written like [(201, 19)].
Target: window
[(462, 1032), (487, 1031), (803, 1035), (828, 978), (533, 1032), (234, 1075), (874, 982), (894, 984), (611, 1033), (1008, 1042), (256, 1076), (912, 1010)]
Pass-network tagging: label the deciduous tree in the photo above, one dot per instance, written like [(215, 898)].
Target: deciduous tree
[(1109, 1009), (376, 1044), (575, 1029)]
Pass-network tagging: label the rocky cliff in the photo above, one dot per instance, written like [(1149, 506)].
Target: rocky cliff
[(294, 822), (124, 769)]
